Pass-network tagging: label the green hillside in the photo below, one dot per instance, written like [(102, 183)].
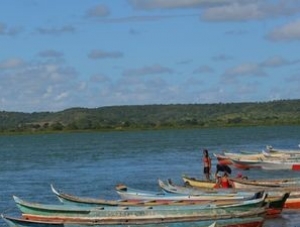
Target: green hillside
[(283, 112)]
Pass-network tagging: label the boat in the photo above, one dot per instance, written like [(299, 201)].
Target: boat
[(271, 186), (170, 187), (275, 202), (111, 211), (45, 214), (281, 164), (192, 181), (126, 192), (222, 159), (229, 157), (84, 201), (261, 183), (293, 152), (292, 202), (246, 162), (44, 221), (239, 182)]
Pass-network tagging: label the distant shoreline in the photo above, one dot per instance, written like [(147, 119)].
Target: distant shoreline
[(153, 117)]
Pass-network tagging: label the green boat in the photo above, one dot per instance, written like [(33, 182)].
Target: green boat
[(77, 222), (108, 211)]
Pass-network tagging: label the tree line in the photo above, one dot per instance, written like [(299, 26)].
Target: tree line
[(143, 117)]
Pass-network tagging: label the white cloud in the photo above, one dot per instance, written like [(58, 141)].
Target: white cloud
[(246, 69), (288, 32), (147, 70), (98, 11), (11, 63), (172, 4), (100, 54), (237, 10)]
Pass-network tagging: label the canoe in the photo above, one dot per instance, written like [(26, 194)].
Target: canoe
[(273, 150), (276, 201), (83, 201), (246, 162), (126, 192), (282, 154), (246, 183), (289, 185), (274, 183), (202, 210), (281, 164), (170, 187), (222, 159), (42, 221), (69, 199), (191, 181)]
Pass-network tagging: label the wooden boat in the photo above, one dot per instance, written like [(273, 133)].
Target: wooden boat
[(109, 211), (275, 202), (281, 164), (192, 181), (280, 155), (83, 201), (131, 193), (222, 159), (246, 162), (292, 202), (271, 186), (226, 158), (44, 221), (273, 150), (246, 183), (170, 187), (273, 183)]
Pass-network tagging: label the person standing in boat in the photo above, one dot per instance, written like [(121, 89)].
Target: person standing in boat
[(206, 164)]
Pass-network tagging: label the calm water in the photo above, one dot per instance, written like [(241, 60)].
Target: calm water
[(91, 164)]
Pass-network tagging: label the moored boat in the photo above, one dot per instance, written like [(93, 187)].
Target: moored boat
[(109, 211), (192, 181), (43, 221), (83, 201), (87, 201), (281, 164), (275, 202), (131, 193)]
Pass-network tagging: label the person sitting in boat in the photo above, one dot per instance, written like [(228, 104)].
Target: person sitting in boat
[(218, 177), (223, 181)]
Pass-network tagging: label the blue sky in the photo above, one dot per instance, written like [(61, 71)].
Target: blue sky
[(72, 53)]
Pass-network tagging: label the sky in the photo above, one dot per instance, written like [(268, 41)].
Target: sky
[(60, 54)]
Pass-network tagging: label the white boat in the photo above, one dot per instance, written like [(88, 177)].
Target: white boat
[(281, 164), (270, 152)]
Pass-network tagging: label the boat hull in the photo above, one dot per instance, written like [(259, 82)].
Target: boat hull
[(59, 222)]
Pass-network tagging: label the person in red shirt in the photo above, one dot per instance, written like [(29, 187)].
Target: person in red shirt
[(206, 164), (223, 181)]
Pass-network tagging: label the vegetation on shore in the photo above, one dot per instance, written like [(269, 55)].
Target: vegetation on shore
[(141, 117)]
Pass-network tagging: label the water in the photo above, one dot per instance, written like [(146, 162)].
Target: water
[(92, 164)]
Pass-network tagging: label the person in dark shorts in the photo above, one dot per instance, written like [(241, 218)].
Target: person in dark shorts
[(206, 164)]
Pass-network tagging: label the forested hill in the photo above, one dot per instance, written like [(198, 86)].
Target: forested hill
[(284, 112)]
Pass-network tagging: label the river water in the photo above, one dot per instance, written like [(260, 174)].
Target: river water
[(92, 164)]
